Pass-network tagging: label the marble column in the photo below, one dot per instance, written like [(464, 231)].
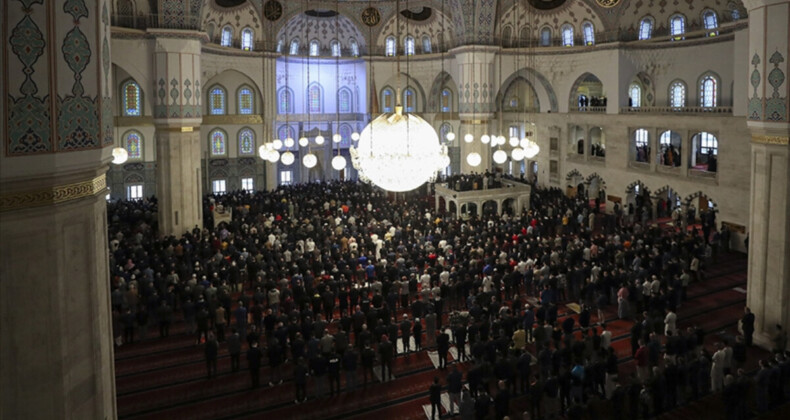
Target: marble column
[(476, 101), (768, 293), (56, 353), (177, 116)]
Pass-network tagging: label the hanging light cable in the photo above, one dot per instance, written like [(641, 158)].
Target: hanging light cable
[(338, 162)]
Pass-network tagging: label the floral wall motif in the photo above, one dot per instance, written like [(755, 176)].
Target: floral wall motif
[(776, 105), (755, 109)]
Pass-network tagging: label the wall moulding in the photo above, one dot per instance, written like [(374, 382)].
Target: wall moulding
[(778, 140), (54, 195)]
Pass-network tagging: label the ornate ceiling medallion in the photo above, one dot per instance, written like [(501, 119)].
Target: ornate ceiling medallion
[(546, 4), (607, 3), (272, 10), (371, 16)]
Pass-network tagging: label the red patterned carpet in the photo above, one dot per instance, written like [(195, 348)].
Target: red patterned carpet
[(165, 378)]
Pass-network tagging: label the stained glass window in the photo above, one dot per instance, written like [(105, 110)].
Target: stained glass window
[(294, 47), (443, 131), (646, 28), (354, 48), (227, 36), (567, 35), (589, 33), (245, 101), (409, 100), (246, 39), (635, 93), (134, 145), (314, 48), (409, 45), (710, 19), (677, 26), (314, 98), (390, 47), (284, 132), (131, 99), (280, 46), (386, 100), (447, 100), (335, 49), (217, 101), (545, 36), (246, 142), (345, 135), (344, 100), (284, 105), (707, 97), (426, 44), (677, 95), (218, 142)]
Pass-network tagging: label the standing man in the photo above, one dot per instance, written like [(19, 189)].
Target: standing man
[(234, 349), (435, 392), (386, 353), (254, 356), (747, 325), (417, 333), (301, 372), (368, 358), (443, 344), (350, 367), (212, 347), (405, 333), (334, 374), (454, 387)]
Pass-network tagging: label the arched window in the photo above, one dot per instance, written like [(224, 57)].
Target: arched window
[(409, 45), (285, 132), (409, 100), (736, 15), (708, 89), (132, 106), (246, 39), (588, 31), (285, 101), (388, 100), (426, 44), (218, 140), (280, 45), (669, 144), (227, 36), (447, 100), (677, 94), (335, 47), (507, 34), (246, 100), (354, 48), (567, 35), (345, 135), (646, 28), (444, 130), (545, 36), (314, 100), (711, 22), (390, 48), (642, 145), (635, 95), (134, 145), (344, 100), (705, 152), (246, 142), (216, 100), (677, 27), (314, 48), (523, 37), (294, 47)]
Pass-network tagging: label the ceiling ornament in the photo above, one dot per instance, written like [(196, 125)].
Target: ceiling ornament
[(272, 10), (607, 3), (371, 16)]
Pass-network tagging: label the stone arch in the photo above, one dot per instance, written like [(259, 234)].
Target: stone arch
[(231, 80), (440, 82), (545, 94), (632, 187), (490, 206), (588, 85), (535, 101), (407, 81), (666, 199), (648, 88), (700, 194), (573, 175)]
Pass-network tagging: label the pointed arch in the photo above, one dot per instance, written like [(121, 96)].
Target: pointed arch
[(132, 98), (345, 100), (315, 98), (515, 100), (586, 85), (546, 97), (439, 100), (245, 97), (133, 142), (246, 139)]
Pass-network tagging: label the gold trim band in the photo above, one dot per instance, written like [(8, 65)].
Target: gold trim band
[(55, 195), (782, 141)]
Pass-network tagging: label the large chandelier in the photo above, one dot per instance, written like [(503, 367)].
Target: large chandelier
[(398, 152)]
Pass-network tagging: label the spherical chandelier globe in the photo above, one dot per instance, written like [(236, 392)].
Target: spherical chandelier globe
[(500, 156), (336, 138), (468, 137), (319, 139), (303, 142), (517, 154), (309, 160), (513, 142), (485, 139), (397, 151), (263, 151), (119, 155), (355, 136), (531, 150), (287, 158), (450, 136), (473, 159), (288, 142), (277, 144), (339, 163), (501, 140), (273, 156)]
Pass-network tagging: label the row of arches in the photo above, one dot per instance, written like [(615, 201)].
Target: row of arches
[(703, 154), (640, 92)]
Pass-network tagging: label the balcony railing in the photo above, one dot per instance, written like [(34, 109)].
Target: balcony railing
[(155, 21), (718, 110), (594, 109)]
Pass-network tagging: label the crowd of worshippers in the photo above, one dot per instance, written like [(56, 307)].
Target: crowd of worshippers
[(332, 275), (474, 181), (594, 101)]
